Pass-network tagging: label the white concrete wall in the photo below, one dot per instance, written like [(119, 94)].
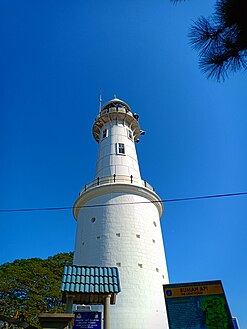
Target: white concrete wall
[(109, 162), (127, 236)]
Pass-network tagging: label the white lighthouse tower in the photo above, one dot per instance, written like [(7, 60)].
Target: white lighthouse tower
[(118, 222)]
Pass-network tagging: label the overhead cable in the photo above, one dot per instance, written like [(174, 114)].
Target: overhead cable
[(125, 203)]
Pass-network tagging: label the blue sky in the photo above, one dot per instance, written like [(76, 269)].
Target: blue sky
[(54, 58)]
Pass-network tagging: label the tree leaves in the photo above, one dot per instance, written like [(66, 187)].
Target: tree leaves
[(222, 39), (32, 286)]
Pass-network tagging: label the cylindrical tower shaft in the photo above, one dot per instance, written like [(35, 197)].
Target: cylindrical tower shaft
[(117, 154), (120, 225)]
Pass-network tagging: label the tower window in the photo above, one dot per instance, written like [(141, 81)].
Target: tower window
[(118, 264), (120, 148), (118, 234), (104, 133), (140, 265), (138, 236), (130, 134), (155, 224)]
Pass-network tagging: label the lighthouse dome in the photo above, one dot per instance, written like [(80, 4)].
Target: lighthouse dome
[(116, 110), (116, 103)]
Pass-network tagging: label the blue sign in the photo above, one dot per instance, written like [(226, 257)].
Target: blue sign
[(197, 305), (87, 320)]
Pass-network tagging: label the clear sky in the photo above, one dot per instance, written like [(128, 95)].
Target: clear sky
[(54, 58)]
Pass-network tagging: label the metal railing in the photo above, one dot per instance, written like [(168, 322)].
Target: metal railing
[(116, 179)]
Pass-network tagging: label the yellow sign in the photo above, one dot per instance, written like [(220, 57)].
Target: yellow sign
[(195, 290)]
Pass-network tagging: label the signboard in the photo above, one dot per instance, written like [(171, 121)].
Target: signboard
[(87, 320), (198, 305)]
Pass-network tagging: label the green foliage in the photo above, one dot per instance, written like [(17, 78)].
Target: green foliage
[(221, 39), (32, 286)]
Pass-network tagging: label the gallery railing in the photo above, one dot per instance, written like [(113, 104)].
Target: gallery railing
[(116, 179)]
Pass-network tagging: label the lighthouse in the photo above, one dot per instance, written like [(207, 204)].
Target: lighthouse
[(118, 222)]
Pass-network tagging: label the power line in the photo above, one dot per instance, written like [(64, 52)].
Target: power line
[(207, 197), (125, 203)]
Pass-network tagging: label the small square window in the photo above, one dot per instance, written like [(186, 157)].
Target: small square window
[(130, 134), (121, 149), (104, 133), (138, 236), (118, 234), (118, 264), (140, 265)]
